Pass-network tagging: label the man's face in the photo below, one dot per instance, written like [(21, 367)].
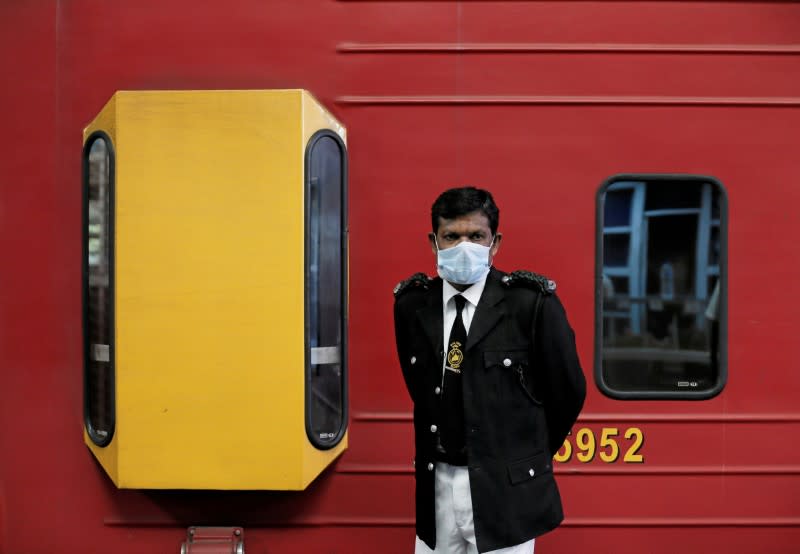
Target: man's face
[(472, 227)]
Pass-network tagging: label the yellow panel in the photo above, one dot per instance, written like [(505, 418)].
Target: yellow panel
[(209, 283)]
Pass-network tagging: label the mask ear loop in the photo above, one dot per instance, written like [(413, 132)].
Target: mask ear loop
[(494, 239)]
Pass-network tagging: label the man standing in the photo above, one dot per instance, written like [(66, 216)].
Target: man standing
[(490, 363)]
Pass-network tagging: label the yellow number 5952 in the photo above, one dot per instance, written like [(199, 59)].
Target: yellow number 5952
[(608, 447)]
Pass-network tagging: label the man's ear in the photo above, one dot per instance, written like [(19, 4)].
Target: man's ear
[(432, 240), (496, 244)]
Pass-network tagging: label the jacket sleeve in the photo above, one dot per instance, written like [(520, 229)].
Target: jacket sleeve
[(560, 385), (401, 336)]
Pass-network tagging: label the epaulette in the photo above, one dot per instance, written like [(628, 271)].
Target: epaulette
[(522, 278), (416, 281)]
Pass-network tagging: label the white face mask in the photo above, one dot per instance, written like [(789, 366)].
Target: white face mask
[(464, 264)]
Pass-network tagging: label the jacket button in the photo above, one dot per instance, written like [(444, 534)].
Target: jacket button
[(430, 467), (413, 462), (507, 362), (531, 472), (413, 360), (437, 390), (433, 428)]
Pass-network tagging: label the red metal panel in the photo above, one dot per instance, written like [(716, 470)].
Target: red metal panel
[(30, 359), (538, 101), (652, 22), (665, 540)]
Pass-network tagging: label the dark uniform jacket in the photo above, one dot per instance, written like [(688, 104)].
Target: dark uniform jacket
[(523, 389)]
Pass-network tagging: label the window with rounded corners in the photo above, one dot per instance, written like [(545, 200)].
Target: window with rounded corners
[(326, 289), (98, 288), (661, 287)]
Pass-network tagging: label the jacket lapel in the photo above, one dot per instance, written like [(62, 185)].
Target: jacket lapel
[(489, 311), (430, 316)]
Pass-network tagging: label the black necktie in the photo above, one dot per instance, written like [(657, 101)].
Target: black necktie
[(458, 338), (452, 432)]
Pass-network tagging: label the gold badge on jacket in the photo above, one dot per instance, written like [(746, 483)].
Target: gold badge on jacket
[(455, 356)]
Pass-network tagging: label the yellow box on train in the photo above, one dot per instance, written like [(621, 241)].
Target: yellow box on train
[(215, 289)]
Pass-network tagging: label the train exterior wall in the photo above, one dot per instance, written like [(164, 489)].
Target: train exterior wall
[(539, 102)]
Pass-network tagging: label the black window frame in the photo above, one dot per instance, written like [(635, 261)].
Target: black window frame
[(97, 439), (722, 377), (331, 442)]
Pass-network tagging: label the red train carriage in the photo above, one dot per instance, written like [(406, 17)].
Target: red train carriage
[(643, 155)]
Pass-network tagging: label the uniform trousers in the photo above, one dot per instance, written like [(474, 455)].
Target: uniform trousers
[(455, 530)]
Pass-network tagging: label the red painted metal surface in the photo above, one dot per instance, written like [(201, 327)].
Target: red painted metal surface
[(537, 101)]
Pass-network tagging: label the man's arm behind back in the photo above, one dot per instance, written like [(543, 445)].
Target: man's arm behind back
[(560, 383)]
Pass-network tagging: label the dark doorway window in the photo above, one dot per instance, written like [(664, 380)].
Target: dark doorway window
[(98, 289), (326, 289)]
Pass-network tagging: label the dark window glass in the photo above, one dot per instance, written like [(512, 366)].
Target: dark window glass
[(667, 195), (615, 249), (715, 209), (661, 310), (98, 299), (326, 285), (619, 284), (618, 208)]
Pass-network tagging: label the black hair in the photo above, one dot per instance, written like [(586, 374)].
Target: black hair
[(456, 202)]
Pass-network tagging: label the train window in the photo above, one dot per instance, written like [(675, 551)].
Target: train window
[(98, 289), (326, 289), (661, 287)]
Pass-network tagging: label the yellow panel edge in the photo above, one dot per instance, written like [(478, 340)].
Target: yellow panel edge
[(104, 121)]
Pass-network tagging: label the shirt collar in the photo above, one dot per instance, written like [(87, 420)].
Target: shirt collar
[(471, 293)]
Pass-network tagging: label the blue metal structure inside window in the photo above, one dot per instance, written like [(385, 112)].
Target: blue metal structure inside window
[(98, 289), (326, 289), (661, 287)]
